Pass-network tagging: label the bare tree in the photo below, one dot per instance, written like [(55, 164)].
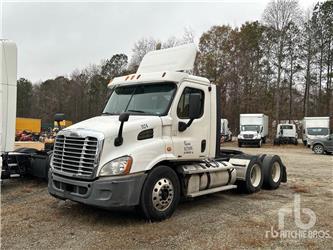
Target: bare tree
[(279, 15)]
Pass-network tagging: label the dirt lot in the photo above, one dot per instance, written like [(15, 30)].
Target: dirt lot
[(33, 219)]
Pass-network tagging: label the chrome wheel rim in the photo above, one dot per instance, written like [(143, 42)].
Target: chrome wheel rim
[(163, 194), (276, 171), (255, 175)]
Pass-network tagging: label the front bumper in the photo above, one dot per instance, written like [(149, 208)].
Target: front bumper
[(249, 141), (105, 192)]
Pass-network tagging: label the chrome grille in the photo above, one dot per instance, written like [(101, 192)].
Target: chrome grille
[(248, 136), (75, 155)]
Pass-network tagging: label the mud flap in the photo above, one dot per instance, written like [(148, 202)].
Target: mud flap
[(284, 174)]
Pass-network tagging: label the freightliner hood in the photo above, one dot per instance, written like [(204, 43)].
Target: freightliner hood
[(109, 124)]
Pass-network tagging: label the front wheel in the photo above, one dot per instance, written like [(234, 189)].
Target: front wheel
[(259, 143), (318, 149), (160, 194)]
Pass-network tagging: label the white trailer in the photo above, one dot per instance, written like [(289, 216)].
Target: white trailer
[(253, 129), (8, 75), (315, 128), (24, 160), (157, 140)]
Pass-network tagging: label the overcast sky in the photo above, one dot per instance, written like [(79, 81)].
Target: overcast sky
[(55, 38)]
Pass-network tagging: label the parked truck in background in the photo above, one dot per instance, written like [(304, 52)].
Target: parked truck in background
[(315, 128), (226, 134), (253, 129), (286, 134), (157, 140)]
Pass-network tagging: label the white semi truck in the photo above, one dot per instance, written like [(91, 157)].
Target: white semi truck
[(157, 140), (253, 129), (315, 128)]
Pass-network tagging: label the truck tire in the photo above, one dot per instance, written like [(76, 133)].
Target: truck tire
[(160, 194), (253, 178), (296, 141), (239, 144), (273, 171), (264, 140), (259, 144), (304, 143), (318, 149)]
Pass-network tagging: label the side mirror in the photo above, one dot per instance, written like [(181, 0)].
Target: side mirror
[(123, 117), (194, 106), (59, 117)]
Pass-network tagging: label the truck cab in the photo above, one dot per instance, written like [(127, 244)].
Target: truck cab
[(158, 139), (286, 133)]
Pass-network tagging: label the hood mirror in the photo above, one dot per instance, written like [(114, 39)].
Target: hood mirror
[(123, 117)]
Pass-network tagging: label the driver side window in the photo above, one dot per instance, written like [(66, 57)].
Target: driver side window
[(183, 105)]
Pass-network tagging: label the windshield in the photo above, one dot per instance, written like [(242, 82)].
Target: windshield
[(286, 127), (152, 99), (318, 131), (250, 128)]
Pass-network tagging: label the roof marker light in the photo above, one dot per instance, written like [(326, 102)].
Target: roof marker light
[(132, 77), (164, 74), (127, 78), (138, 77)]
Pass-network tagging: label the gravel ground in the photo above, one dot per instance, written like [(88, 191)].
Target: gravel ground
[(30, 218)]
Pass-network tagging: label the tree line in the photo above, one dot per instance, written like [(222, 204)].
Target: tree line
[(280, 66)]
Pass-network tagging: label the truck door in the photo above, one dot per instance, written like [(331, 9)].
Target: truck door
[(193, 143)]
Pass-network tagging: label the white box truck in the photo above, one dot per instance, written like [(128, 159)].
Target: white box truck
[(315, 128), (253, 129), (157, 140)]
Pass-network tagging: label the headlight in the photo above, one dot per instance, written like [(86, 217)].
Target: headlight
[(118, 166), (240, 137)]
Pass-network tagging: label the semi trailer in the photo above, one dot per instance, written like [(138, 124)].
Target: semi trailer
[(157, 141), (23, 161), (253, 129)]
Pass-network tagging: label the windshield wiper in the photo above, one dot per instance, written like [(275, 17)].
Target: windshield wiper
[(136, 111)]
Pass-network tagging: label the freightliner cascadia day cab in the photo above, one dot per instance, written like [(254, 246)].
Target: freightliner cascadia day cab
[(253, 129), (157, 140), (315, 128)]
